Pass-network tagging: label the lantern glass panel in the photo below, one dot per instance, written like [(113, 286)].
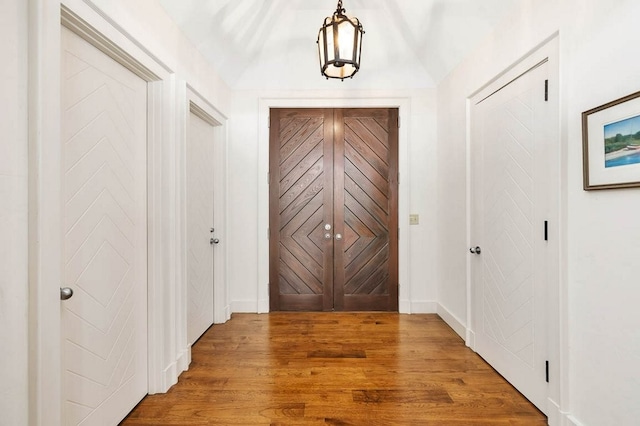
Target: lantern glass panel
[(346, 38), (331, 49)]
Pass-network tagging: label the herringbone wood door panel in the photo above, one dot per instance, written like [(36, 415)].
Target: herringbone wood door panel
[(199, 223), (301, 258), (508, 223), (104, 326), (366, 170), (510, 198), (335, 168)]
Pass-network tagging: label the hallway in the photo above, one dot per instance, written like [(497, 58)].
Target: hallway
[(336, 368)]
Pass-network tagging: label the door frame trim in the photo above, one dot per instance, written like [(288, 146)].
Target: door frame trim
[(46, 19), (548, 51), (404, 110)]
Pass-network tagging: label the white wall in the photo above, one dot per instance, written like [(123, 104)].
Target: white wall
[(13, 214), (148, 24), (603, 249), (599, 289), (248, 199)]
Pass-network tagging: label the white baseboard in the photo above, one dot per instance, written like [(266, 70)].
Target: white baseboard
[(263, 306), (184, 360), (452, 321), (554, 417), (169, 377), (424, 307), (227, 312), (244, 306), (470, 340), (404, 306), (569, 420)]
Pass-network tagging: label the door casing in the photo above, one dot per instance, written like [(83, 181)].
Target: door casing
[(325, 142), (546, 51), (406, 303), (197, 105), (197, 101)]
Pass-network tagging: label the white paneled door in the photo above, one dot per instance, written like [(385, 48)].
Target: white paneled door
[(200, 233), (104, 324), (512, 189)]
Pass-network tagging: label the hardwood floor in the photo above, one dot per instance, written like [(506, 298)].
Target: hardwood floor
[(336, 369)]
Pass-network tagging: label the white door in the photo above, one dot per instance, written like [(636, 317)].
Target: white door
[(512, 193), (104, 324), (200, 163)]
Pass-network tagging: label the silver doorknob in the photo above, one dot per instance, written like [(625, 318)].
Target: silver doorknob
[(338, 236), (214, 241), (327, 236), (475, 250), (65, 293), (327, 227)]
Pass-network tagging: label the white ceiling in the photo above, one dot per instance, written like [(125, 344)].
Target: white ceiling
[(271, 44)]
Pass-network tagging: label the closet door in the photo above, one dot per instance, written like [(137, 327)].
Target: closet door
[(200, 233), (333, 209), (104, 324)]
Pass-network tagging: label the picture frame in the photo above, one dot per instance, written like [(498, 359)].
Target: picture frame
[(611, 144)]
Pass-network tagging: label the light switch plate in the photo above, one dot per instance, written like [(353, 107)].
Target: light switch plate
[(414, 219)]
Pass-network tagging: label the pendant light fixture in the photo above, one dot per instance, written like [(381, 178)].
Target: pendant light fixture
[(340, 45)]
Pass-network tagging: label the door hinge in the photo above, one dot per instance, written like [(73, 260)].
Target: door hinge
[(546, 368), (268, 234), (398, 178), (268, 178), (398, 122), (268, 121), (546, 230), (546, 90), (398, 233)]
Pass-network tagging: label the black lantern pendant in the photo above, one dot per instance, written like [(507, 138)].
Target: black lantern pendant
[(340, 45)]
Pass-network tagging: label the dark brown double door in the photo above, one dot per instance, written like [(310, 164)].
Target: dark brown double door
[(333, 210)]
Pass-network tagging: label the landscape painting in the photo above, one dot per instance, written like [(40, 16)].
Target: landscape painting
[(611, 144), (622, 142)]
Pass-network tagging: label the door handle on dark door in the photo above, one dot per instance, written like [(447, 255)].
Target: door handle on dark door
[(475, 250), (66, 293)]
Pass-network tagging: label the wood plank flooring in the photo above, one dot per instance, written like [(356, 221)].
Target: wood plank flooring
[(336, 369)]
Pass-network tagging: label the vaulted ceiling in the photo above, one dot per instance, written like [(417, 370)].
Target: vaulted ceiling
[(271, 44)]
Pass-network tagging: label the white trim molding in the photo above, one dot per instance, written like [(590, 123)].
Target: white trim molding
[(557, 417), (569, 420), (452, 321), (424, 307), (248, 306), (404, 106), (44, 213)]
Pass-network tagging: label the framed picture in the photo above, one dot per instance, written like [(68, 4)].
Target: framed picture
[(611, 144)]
